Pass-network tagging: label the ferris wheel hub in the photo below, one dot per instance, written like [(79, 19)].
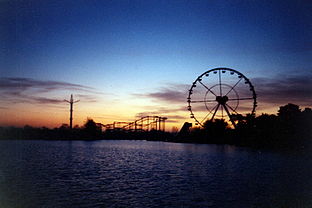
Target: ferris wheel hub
[(222, 99)]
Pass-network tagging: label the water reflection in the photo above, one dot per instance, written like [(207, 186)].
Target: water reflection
[(149, 174)]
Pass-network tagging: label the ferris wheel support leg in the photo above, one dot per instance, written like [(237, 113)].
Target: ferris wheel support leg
[(231, 119), (215, 112)]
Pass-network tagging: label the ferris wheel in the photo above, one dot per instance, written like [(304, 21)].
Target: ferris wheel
[(221, 93)]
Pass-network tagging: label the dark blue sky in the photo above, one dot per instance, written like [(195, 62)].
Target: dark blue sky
[(123, 48)]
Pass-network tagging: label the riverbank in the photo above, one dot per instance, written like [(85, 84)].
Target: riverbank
[(279, 142)]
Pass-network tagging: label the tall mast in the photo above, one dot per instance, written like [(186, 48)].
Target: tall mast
[(71, 102)]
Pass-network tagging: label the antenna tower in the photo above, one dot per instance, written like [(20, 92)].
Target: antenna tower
[(71, 102)]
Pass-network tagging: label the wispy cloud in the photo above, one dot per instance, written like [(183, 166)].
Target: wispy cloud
[(284, 89), (173, 93), (271, 92), (87, 97), (159, 111), (27, 90), (176, 119), (22, 84)]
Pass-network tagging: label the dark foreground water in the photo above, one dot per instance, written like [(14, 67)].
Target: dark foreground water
[(149, 174)]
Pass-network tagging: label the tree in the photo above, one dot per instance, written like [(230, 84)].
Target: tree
[(64, 126), (216, 130), (289, 111), (91, 129), (306, 123)]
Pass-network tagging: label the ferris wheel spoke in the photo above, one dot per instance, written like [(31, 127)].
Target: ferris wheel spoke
[(229, 115), (220, 82), (231, 108), (198, 101), (233, 86), (209, 113), (215, 112), (203, 101), (250, 98), (207, 88), (222, 111)]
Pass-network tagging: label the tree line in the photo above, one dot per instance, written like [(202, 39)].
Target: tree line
[(290, 128)]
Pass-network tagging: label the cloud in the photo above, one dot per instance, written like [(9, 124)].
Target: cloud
[(87, 97), (173, 93), (43, 86), (162, 111), (43, 100), (283, 89), (271, 92), (167, 95), (176, 118), (159, 111), (27, 90)]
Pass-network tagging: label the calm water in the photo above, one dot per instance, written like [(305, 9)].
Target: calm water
[(149, 174)]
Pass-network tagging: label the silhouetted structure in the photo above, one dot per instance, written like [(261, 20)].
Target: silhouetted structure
[(146, 123), (185, 130), (220, 91), (290, 129), (71, 102)]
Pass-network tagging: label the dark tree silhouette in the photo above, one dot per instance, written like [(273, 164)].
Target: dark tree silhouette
[(289, 118), (291, 128), (289, 111), (218, 125), (216, 130), (91, 129)]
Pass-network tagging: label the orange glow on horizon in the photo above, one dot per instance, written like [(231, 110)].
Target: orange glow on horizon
[(55, 117)]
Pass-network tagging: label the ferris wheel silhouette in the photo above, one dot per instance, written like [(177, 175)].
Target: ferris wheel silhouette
[(221, 93)]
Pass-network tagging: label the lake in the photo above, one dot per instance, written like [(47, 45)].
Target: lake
[(121, 173)]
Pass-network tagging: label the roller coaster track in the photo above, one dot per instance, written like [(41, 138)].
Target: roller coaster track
[(146, 123)]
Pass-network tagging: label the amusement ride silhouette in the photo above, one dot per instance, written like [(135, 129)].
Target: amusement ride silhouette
[(221, 93)]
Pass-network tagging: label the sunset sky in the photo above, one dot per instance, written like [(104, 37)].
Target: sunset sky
[(126, 59)]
